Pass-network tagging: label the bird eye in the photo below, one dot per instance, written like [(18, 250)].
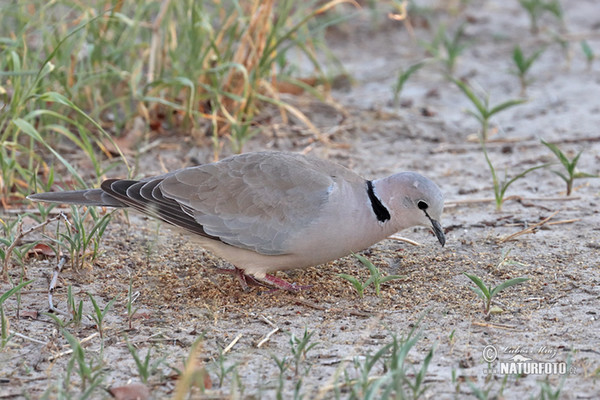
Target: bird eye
[(422, 205)]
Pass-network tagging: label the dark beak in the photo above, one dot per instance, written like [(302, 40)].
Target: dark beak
[(437, 229), (439, 232)]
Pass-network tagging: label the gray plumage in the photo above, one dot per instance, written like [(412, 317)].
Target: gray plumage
[(270, 211)]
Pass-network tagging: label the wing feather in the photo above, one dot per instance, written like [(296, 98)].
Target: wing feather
[(256, 201)]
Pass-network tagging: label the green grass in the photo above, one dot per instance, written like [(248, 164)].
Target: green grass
[(570, 167), (487, 292), (535, 9), (483, 111), (523, 64), (589, 54), (376, 279), (80, 73), (145, 367), (501, 185), (400, 379), (82, 236), (446, 47), (4, 324), (403, 76)]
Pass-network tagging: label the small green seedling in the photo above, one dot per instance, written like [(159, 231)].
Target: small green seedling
[(554, 8), (570, 167), (523, 65), (131, 310), (403, 76), (282, 366), (550, 392), (4, 336), (99, 314), (223, 370), (500, 187), (376, 277), (82, 241), (90, 373), (589, 53), (483, 111), (300, 346), (536, 8), (487, 293), (400, 376), (453, 46), (76, 310), (144, 367), (446, 47)]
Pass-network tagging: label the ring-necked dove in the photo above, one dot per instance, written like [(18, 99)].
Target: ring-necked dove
[(271, 211)]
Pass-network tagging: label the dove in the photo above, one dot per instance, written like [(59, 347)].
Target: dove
[(271, 211)]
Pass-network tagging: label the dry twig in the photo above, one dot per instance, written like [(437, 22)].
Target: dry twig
[(61, 263), (530, 229)]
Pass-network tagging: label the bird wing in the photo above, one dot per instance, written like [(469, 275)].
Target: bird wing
[(256, 201)]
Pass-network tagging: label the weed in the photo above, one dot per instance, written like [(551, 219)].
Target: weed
[(399, 381), (130, 309), (536, 8), (547, 391), (487, 293), (99, 314), (553, 7), (500, 187), (590, 56), (223, 371), (365, 370), (300, 346), (571, 173), (446, 47), (376, 277), (144, 367), (483, 111), (403, 76), (523, 65), (90, 373), (75, 310), (4, 324), (178, 66), (282, 366), (82, 241), (480, 393)]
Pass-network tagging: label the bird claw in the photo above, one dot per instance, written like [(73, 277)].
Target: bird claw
[(268, 280), (278, 283)]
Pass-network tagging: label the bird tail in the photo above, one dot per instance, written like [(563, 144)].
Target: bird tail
[(89, 197)]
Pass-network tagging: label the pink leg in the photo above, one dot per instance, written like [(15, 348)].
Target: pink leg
[(279, 283), (269, 280)]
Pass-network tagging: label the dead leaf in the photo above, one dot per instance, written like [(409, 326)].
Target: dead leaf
[(41, 249), (134, 391), (294, 89), (33, 314)]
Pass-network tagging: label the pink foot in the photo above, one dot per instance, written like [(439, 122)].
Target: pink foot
[(268, 280), (279, 283)]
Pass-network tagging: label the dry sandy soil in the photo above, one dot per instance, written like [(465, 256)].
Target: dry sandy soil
[(554, 317)]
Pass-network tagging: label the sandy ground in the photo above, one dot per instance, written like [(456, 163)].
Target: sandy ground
[(552, 318)]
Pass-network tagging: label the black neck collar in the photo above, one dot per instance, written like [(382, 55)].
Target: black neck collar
[(379, 209)]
